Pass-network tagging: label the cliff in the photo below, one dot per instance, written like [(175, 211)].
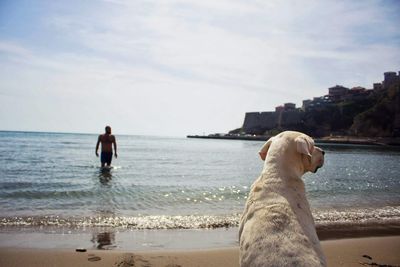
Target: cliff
[(383, 118), (336, 119), (355, 112), (260, 123)]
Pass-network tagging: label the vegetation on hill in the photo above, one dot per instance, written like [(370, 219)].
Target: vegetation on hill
[(335, 119), (382, 119), (376, 115)]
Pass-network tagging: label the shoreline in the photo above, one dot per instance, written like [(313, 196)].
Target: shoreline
[(194, 232), (376, 251), (118, 239), (344, 140)]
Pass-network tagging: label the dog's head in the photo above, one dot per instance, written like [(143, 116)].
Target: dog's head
[(299, 145), (312, 156)]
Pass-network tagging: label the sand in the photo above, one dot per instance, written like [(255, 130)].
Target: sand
[(384, 251)]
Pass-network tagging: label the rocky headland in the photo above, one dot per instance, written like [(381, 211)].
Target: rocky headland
[(344, 115)]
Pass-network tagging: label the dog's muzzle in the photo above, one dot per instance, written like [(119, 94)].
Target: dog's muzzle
[(316, 169)]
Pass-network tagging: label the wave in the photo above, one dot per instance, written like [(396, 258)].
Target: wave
[(360, 215), (139, 222), (325, 219)]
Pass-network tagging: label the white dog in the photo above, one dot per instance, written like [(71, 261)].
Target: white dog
[(277, 227)]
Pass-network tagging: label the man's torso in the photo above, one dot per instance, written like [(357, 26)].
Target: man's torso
[(106, 142)]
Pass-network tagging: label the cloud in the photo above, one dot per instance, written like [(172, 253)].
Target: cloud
[(198, 65), (11, 49)]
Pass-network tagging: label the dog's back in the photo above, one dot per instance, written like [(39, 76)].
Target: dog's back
[(277, 228), (273, 236)]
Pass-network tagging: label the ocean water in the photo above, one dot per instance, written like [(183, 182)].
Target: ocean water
[(53, 181)]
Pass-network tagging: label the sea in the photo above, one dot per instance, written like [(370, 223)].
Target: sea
[(164, 192)]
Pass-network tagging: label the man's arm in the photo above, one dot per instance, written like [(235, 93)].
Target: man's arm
[(97, 145), (115, 147)]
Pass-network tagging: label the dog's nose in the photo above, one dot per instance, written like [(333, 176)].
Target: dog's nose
[(323, 152)]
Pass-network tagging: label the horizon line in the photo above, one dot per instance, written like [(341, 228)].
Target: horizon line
[(80, 133)]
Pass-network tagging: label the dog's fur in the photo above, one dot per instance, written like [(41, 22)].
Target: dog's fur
[(277, 227)]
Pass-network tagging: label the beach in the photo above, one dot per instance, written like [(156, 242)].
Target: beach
[(178, 201), (151, 133), (372, 251)]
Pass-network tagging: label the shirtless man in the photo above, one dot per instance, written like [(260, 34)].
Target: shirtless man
[(106, 141)]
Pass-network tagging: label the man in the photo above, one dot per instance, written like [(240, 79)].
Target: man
[(106, 140)]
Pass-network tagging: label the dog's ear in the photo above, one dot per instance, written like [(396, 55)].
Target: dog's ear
[(264, 149), (305, 145)]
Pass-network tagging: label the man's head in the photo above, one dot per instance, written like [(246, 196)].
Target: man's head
[(108, 130)]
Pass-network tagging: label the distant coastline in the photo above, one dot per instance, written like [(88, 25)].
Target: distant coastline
[(349, 140), (353, 116), (343, 111)]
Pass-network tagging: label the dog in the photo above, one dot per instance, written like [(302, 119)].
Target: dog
[(277, 227)]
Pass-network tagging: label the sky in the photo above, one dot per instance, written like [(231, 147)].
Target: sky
[(172, 68)]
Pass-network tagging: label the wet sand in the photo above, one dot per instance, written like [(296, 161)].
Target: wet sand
[(371, 251)]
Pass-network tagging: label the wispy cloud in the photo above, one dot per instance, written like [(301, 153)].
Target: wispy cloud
[(189, 60), (13, 49)]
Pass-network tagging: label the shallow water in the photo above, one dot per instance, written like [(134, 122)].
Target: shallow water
[(50, 179)]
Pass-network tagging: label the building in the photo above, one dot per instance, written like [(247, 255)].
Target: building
[(378, 86), (337, 93), (390, 78), (306, 104), (317, 103), (289, 106), (357, 90), (285, 107), (357, 94), (286, 116), (258, 123)]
